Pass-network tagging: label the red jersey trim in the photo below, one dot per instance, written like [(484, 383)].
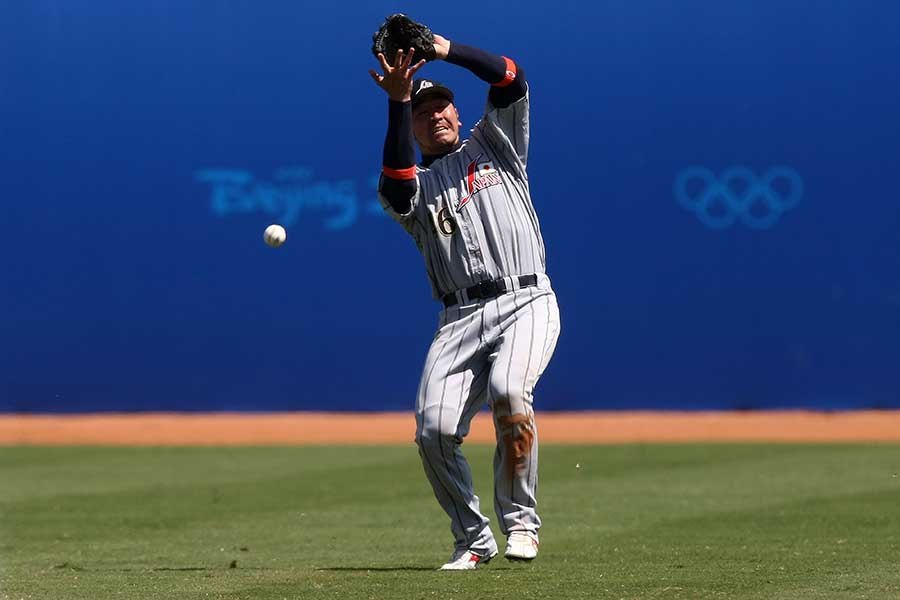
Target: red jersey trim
[(510, 74), (401, 174)]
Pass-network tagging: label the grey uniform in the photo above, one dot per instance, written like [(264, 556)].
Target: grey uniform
[(473, 221)]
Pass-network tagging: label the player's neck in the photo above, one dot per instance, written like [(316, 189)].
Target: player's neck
[(427, 159)]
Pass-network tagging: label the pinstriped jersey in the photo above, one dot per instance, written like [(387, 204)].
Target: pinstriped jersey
[(471, 216)]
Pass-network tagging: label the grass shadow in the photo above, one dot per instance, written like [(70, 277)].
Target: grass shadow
[(390, 569), (364, 569)]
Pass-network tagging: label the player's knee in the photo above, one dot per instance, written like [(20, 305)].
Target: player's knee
[(505, 400), (433, 438), (517, 435)]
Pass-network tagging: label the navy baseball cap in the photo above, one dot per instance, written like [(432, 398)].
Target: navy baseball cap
[(424, 89)]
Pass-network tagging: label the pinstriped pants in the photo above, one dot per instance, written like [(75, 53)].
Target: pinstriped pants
[(490, 351)]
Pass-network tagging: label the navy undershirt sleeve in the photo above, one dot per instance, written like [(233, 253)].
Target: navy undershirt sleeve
[(399, 147), (486, 66), (399, 193), (399, 153), (490, 68), (501, 97)]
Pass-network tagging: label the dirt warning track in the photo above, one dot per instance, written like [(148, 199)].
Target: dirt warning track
[(207, 429)]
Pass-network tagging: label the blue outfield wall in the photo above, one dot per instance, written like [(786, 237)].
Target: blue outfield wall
[(716, 181)]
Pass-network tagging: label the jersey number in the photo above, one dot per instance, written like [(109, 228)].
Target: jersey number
[(445, 221)]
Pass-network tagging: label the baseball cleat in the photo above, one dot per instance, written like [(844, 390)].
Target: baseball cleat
[(467, 560), (521, 546)]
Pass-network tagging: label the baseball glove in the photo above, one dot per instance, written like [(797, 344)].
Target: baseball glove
[(399, 32)]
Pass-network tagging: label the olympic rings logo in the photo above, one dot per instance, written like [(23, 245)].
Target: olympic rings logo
[(738, 194)]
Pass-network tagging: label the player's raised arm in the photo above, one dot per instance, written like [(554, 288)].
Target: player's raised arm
[(506, 115), (398, 182), (507, 79)]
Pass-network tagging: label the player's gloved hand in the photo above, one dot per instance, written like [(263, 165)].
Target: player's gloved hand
[(399, 32), (397, 80)]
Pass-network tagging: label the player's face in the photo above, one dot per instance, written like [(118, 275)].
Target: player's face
[(436, 126)]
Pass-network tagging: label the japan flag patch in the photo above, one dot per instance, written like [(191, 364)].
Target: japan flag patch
[(479, 175)]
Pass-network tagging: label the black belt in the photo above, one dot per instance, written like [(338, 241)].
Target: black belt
[(487, 289)]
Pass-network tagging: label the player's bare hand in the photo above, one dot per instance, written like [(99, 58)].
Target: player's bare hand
[(441, 47), (397, 79)]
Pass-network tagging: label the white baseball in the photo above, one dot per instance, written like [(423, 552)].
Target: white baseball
[(274, 235)]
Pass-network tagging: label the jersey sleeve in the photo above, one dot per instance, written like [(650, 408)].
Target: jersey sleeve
[(507, 127)]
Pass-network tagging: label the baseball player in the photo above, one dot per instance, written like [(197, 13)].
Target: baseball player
[(468, 208)]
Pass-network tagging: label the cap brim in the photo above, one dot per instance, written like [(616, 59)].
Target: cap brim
[(434, 91)]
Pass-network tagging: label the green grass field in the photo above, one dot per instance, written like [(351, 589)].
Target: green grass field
[(632, 521)]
